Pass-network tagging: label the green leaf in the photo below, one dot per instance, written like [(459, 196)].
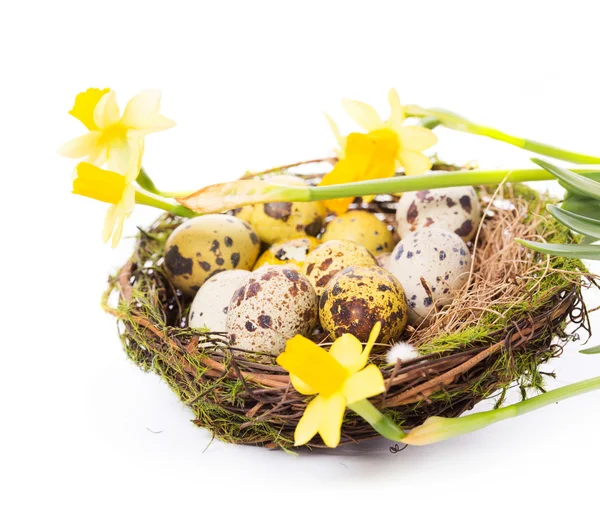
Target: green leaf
[(591, 350), (583, 206), (589, 240), (571, 180), (569, 251), (576, 222)]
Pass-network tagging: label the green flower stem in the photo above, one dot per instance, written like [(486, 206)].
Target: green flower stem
[(439, 429), (146, 183), (454, 121), (420, 182), (144, 197), (381, 423), (144, 180)]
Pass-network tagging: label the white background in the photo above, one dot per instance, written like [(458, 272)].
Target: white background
[(247, 82)]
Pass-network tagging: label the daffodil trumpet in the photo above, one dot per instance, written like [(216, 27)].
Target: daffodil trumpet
[(431, 117), (222, 197)]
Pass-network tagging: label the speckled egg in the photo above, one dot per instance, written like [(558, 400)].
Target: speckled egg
[(275, 304), (361, 227), (357, 298), (281, 221), (328, 259), (383, 259), (244, 213), (455, 209), (204, 246), (211, 303), (439, 257), (288, 252)]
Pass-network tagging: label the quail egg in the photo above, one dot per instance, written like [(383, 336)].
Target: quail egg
[(281, 221), (358, 297), (383, 259), (275, 304), (244, 212), (204, 246), (328, 259), (361, 227), (440, 258), (211, 303), (288, 252), (456, 209)]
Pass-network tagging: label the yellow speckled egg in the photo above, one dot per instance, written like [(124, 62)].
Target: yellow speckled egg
[(288, 252), (361, 227), (328, 259), (206, 245), (280, 221), (244, 213), (359, 297)]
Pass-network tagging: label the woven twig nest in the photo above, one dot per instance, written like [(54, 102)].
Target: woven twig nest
[(509, 320)]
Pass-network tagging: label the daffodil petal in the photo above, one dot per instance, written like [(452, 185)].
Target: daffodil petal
[(106, 112), (300, 386), (142, 109), (308, 426), (332, 417), (364, 384), (414, 163), (119, 226), (85, 104), (120, 159), (336, 131), (81, 146), (397, 116), (158, 123), (363, 114), (347, 350), (109, 223), (128, 199), (416, 138), (313, 365)]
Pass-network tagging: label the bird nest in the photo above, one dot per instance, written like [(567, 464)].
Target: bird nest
[(508, 321)]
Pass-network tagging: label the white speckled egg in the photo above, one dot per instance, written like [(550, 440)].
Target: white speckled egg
[(209, 308), (275, 304), (438, 256), (456, 209)]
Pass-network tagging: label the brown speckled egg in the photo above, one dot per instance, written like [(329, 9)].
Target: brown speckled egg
[(328, 259), (363, 228), (275, 304), (288, 252), (455, 209), (204, 246), (359, 297), (281, 221), (439, 257)]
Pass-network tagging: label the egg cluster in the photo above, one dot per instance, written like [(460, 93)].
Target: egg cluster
[(265, 273)]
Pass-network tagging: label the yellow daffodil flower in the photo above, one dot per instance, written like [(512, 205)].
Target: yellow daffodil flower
[(111, 138), (338, 378), (376, 154), (110, 187)]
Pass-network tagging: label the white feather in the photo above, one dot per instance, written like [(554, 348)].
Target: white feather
[(401, 351)]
